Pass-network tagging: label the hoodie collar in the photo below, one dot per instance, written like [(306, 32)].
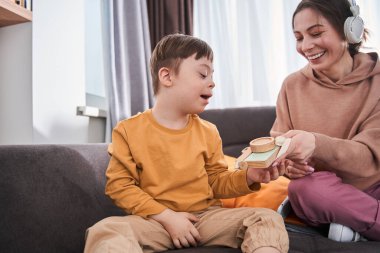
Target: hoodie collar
[(365, 65)]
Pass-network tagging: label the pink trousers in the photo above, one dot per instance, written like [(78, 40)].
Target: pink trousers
[(322, 198)]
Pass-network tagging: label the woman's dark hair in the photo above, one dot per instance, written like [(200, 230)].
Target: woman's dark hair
[(336, 12)]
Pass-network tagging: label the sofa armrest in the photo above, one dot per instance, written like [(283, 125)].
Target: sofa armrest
[(238, 126)]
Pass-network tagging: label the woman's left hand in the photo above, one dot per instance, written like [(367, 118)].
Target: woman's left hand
[(297, 170)]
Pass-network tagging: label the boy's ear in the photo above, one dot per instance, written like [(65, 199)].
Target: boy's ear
[(164, 77)]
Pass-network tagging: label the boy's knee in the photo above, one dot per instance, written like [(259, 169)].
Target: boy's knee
[(269, 213), (273, 215), (113, 225), (263, 214)]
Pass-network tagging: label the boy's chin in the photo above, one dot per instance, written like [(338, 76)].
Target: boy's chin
[(196, 109), (199, 110), (190, 112)]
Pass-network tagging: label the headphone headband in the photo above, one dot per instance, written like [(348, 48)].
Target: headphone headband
[(355, 9)]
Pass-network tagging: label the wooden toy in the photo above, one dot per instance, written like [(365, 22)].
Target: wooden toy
[(262, 144), (262, 152)]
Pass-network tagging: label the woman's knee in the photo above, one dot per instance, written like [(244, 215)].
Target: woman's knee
[(313, 189)]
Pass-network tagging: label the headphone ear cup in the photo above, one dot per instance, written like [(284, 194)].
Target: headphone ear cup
[(353, 29)]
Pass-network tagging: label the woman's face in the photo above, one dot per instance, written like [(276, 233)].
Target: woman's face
[(320, 44)]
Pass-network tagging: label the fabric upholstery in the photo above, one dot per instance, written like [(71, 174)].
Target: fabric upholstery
[(50, 194)]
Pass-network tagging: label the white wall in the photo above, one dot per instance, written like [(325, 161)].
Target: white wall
[(59, 71), (16, 84), (94, 49), (43, 77)]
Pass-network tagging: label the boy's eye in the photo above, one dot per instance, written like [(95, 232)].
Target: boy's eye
[(203, 75)]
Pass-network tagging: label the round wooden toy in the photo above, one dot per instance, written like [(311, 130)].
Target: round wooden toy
[(262, 144)]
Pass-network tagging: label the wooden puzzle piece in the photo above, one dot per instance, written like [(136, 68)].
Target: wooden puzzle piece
[(262, 152)]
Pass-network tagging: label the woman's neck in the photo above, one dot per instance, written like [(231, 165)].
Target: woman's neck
[(341, 68)]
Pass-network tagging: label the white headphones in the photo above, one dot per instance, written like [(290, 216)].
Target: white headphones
[(354, 25)]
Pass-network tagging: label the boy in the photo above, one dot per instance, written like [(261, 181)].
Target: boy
[(167, 169)]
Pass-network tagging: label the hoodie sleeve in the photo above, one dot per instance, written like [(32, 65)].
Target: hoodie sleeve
[(356, 157)]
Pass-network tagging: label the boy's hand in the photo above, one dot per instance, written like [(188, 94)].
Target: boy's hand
[(265, 175), (180, 227)]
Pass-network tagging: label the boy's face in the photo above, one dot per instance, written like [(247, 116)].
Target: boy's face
[(192, 86)]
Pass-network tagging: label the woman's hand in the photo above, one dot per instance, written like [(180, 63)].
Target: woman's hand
[(297, 170), (180, 227), (301, 147)]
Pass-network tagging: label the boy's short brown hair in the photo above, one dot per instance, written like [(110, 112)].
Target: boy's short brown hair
[(172, 49)]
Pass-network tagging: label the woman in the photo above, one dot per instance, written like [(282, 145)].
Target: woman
[(331, 110)]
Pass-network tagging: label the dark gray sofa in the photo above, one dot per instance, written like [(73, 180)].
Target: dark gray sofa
[(50, 194)]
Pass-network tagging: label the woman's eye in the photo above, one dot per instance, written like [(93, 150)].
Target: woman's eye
[(316, 34), (299, 39)]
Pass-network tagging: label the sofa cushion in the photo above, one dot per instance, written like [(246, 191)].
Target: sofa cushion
[(270, 195), (49, 195)]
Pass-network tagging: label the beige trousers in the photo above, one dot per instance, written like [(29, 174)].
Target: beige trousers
[(245, 227)]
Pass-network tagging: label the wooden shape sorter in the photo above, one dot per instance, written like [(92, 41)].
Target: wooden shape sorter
[(262, 152)]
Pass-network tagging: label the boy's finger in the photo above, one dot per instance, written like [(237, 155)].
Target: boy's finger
[(177, 244), (266, 178), (194, 232), (191, 240), (192, 217), (282, 168), (274, 173), (184, 242)]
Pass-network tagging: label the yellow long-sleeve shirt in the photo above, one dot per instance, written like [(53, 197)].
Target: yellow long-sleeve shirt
[(153, 168)]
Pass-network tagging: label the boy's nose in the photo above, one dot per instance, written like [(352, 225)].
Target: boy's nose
[(211, 84)]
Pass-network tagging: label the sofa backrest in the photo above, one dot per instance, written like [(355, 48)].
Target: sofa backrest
[(238, 126)]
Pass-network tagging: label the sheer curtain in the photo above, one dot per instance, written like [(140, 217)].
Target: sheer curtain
[(369, 11), (127, 54), (254, 46)]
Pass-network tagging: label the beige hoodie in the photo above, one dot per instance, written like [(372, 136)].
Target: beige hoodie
[(344, 117)]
